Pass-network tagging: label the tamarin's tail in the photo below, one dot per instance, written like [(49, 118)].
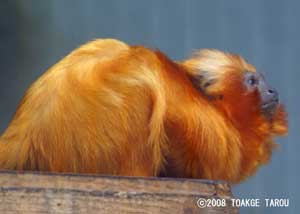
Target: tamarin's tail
[(14, 155), (8, 154)]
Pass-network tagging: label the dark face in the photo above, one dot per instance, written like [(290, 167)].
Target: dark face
[(268, 96)]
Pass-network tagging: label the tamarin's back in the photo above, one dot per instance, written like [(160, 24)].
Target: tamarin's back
[(86, 114), (116, 109)]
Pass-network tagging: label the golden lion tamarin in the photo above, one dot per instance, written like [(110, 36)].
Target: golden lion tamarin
[(116, 109)]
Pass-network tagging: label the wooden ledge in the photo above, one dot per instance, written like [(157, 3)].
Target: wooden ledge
[(31, 192)]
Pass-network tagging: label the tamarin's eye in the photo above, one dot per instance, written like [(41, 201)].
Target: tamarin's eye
[(252, 81)]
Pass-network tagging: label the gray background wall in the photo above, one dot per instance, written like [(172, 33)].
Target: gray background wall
[(35, 34)]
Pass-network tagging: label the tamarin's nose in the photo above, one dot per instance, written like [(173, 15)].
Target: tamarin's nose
[(273, 94)]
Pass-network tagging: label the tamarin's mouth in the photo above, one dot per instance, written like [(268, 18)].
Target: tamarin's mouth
[(271, 104), (270, 107)]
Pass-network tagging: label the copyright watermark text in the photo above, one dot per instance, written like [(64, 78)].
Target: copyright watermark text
[(237, 202)]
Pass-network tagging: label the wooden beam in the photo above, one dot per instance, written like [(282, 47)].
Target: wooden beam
[(29, 192)]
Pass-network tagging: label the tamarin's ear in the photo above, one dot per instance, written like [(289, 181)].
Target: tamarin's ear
[(206, 70), (201, 82)]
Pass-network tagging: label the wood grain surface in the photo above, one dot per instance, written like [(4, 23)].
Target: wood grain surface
[(30, 192)]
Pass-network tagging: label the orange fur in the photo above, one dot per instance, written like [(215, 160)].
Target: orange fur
[(116, 109)]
